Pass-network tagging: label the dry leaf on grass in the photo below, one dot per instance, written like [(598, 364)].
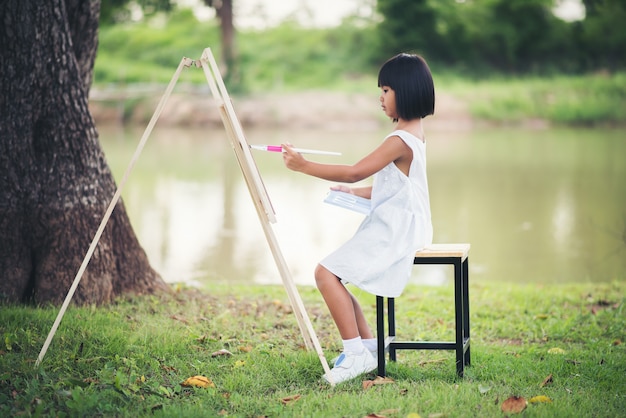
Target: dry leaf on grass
[(556, 350), (198, 381), (434, 361), (378, 381), (222, 352), (540, 399), (290, 399), (513, 405), (546, 381)]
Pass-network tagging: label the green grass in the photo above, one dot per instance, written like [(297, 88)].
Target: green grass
[(567, 100), (130, 358)]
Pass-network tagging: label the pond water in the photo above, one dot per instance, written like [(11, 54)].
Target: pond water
[(537, 206)]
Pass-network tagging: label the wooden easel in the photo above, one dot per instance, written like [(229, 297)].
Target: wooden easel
[(255, 185), (259, 196)]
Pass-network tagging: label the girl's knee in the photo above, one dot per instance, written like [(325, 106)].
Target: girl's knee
[(322, 275)]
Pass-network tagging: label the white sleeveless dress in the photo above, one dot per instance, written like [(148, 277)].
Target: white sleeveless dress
[(379, 257)]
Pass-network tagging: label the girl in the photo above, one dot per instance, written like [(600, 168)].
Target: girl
[(379, 257)]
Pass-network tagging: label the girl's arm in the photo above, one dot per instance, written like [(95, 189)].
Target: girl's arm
[(393, 149)]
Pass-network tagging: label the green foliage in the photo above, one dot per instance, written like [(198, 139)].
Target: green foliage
[(289, 57), (286, 56), (146, 52), (602, 37), (130, 358), (574, 100), (118, 11), (408, 26), (509, 36)]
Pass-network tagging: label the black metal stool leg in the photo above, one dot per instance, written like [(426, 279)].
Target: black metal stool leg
[(391, 316), (466, 314), (459, 317), (380, 334)]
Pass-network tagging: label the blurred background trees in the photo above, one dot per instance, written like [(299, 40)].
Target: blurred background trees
[(475, 38), (507, 36)]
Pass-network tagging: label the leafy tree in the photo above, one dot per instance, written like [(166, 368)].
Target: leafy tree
[(512, 36), (114, 11), (408, 26), (602, 34), (55, 184), (519, 34)]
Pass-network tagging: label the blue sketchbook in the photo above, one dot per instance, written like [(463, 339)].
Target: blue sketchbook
[(349, 201)]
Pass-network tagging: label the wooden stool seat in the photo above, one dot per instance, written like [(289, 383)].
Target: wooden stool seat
[(456, 255)]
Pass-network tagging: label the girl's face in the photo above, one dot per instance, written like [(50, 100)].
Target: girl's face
[(388, 101)]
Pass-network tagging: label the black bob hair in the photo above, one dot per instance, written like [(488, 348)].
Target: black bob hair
[(409, 77)]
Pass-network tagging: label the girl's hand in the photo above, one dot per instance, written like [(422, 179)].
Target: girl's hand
[(293, 160), (342, 188)]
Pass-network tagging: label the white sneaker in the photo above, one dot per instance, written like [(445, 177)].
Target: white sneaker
[(374, 353), (350, 365)]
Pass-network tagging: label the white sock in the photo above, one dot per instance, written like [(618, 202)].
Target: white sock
[(371, 344), (353, 345)]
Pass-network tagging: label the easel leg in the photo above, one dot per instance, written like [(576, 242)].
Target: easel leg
[(260, 199)]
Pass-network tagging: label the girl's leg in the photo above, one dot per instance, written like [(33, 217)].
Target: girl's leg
[(364, 329), (340, 302), (356, 359)]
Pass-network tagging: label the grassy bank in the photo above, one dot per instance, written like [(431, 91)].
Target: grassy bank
[(289, 58), (565, 343)]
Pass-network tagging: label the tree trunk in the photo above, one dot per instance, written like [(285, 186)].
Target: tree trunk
[(55, 184), (224, 11)]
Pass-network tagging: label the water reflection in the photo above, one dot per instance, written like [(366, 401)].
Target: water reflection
[(537, 206)]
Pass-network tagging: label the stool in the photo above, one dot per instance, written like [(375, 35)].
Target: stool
[(456, 255)]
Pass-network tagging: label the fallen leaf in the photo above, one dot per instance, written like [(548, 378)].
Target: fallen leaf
[(290, 399), (546, 381), (222, 352), (413, 415), (617, 342), (556, 350), (378, 381), (239, 363), (180, 318), (245, 348), (373, 415), (483, 389), (425, 362), (540, 399), (198, 381), (513, 405), (541, 316)]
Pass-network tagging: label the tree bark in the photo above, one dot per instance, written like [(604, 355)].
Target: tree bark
[(224, 11), (55, 183)]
